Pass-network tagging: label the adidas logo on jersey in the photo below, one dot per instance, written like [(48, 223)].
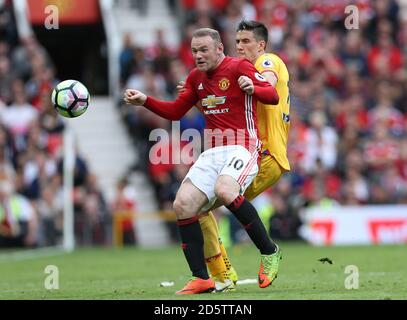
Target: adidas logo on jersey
[(200, 87)]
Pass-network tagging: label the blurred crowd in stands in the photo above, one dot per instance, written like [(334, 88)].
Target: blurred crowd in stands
[(31, 152), (348, 137), (348, 89)]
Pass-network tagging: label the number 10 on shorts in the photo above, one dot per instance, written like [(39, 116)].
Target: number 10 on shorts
[(237, 163)]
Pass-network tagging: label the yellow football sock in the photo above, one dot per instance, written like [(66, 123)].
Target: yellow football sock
[(220, 245), (224, 255), (212, 250)]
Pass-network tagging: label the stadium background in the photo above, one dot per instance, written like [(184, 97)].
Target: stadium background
[(348, 138)]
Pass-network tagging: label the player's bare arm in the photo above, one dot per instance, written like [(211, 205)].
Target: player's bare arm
[(270, 77)]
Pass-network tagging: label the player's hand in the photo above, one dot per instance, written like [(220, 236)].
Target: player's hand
[(246, 84), (132, 96), (181, 87)]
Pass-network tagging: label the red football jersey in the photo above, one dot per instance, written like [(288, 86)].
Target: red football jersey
[(229, 112)]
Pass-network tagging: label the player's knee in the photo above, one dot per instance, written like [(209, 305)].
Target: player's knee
[(225, 194), (182, 207), (178, 206)]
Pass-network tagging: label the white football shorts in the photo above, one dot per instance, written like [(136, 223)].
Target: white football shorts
[(235, 161)]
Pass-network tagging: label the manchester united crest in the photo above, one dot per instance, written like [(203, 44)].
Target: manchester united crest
[(224, 84)]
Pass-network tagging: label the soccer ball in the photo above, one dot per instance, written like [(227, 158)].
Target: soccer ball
[(70, 98)]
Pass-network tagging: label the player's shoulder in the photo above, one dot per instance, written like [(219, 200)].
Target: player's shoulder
[(238, 61), (269, 60), (236, 66)]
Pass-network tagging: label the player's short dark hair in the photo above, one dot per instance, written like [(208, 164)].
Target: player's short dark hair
[(259, 30), (203, 32)]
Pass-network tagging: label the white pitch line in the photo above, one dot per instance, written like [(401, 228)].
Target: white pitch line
[(31, 254), (246, 281)]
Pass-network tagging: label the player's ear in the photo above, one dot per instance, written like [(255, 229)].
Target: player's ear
[(262, 45), (220, 46)]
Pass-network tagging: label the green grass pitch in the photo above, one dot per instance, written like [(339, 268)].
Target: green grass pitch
[(133, 273)]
